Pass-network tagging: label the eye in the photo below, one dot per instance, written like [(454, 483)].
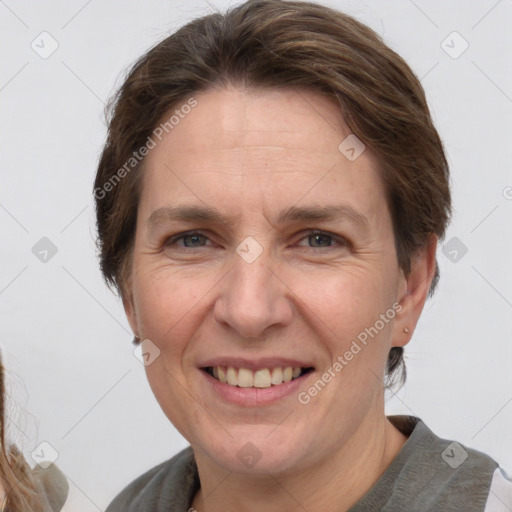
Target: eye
[(190, 239), (321, 239), (316, 239)]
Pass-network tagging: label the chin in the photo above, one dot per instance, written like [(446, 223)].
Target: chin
[(254, 450)]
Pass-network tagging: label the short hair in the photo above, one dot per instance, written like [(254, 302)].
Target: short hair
[(279, 44)]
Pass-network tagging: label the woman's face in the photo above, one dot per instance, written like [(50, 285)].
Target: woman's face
[(291, 261)]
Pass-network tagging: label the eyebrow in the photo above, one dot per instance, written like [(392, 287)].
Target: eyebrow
[(193, 213)]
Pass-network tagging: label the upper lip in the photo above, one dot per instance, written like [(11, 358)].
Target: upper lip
[(254, 363)]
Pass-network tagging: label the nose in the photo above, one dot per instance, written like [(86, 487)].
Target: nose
[(253, 298)]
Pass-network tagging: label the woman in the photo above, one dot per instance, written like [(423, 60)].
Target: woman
[(269, 201), (23, 489)]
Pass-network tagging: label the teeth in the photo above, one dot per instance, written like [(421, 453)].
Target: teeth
[(222, 374), (232, 377), (277, 376), (264, 378), (245, 378)]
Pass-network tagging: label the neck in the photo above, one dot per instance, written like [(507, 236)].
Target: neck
[(335, 483)]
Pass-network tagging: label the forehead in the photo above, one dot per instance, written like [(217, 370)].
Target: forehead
[(239, 149), (233, 118)]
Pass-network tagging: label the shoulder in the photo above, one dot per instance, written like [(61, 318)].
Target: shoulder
[(46, 480), (53, 486), (172, 483), (441, 472)]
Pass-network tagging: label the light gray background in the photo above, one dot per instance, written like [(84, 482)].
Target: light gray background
[(73, 379)]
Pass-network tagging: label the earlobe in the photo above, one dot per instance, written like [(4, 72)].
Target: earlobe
[(417, 285)]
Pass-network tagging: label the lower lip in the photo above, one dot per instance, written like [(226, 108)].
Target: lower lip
[(254, 397)]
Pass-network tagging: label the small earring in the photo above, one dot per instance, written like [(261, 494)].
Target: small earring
[(136, 340), (406, 330)]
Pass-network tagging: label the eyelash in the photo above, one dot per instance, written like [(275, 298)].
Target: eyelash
[(339, 240)]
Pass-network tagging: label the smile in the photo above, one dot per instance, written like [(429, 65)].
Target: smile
[(262, 378)]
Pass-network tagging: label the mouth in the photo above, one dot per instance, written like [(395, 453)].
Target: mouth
[(261, 378)]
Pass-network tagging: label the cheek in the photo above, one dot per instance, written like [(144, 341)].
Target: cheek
[(344, 299), (344, 309), (167, 309), (163, 312), (166, 304)]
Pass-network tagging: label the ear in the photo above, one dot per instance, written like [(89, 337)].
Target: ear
[(129, 310), (413, 292)]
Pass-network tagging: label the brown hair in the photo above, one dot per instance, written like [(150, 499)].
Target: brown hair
[(275, 43)]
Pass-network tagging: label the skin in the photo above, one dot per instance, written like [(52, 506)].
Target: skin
[(251, 154)]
